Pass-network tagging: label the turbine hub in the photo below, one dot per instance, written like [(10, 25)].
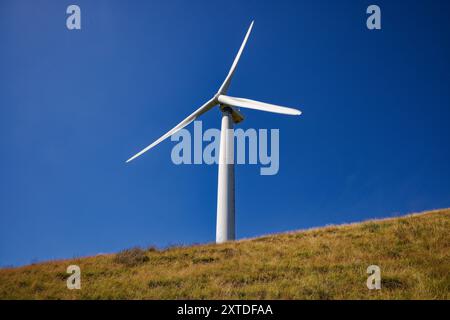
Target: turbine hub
[(235, 115)]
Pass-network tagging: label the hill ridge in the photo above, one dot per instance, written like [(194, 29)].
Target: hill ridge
[(330, 262)]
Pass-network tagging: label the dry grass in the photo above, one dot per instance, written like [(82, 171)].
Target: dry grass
[(326, 263)]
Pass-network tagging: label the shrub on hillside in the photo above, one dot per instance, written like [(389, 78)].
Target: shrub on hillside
[(131, 257)]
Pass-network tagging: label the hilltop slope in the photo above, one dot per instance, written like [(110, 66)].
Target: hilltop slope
[(413, 253)]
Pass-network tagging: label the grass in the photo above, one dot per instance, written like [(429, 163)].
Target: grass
[(326, 263)]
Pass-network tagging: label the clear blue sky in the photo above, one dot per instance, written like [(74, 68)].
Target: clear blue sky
[(374, 139)]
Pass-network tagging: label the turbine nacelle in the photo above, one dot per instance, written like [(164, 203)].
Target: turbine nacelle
[(235, 114)]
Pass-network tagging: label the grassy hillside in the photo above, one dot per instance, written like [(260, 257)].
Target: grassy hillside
[(413, 253)]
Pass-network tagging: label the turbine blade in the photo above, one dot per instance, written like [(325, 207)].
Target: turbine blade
[(204, 108), (262, 106), (224, 87)]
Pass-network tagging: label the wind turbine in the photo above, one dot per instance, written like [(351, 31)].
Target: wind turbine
[(225, 229)]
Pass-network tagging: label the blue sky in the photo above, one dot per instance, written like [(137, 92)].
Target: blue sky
[(373, 140)]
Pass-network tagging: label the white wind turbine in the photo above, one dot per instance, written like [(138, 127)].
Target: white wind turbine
[(225, 230)]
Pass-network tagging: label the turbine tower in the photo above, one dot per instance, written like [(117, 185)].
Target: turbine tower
[(225, 229)]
